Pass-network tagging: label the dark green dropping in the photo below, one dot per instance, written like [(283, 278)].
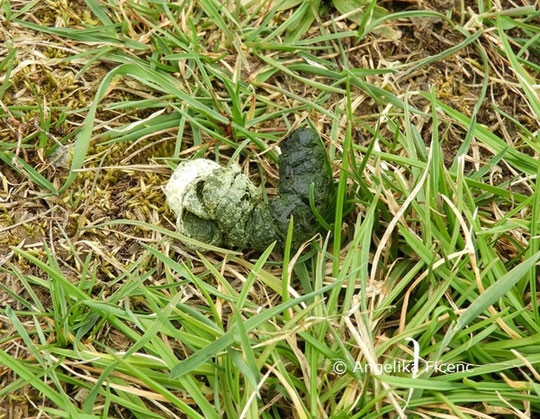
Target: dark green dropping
[(302, 163), (225, 208)]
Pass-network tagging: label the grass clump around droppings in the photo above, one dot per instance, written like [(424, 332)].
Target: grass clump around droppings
[(429, 114)]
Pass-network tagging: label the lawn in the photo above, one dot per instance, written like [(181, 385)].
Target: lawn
[(429, 254)]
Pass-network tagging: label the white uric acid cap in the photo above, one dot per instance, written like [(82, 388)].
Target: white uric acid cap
[(186, 174)]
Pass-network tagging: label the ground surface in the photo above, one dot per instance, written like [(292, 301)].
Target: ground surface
[(430, 115)]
